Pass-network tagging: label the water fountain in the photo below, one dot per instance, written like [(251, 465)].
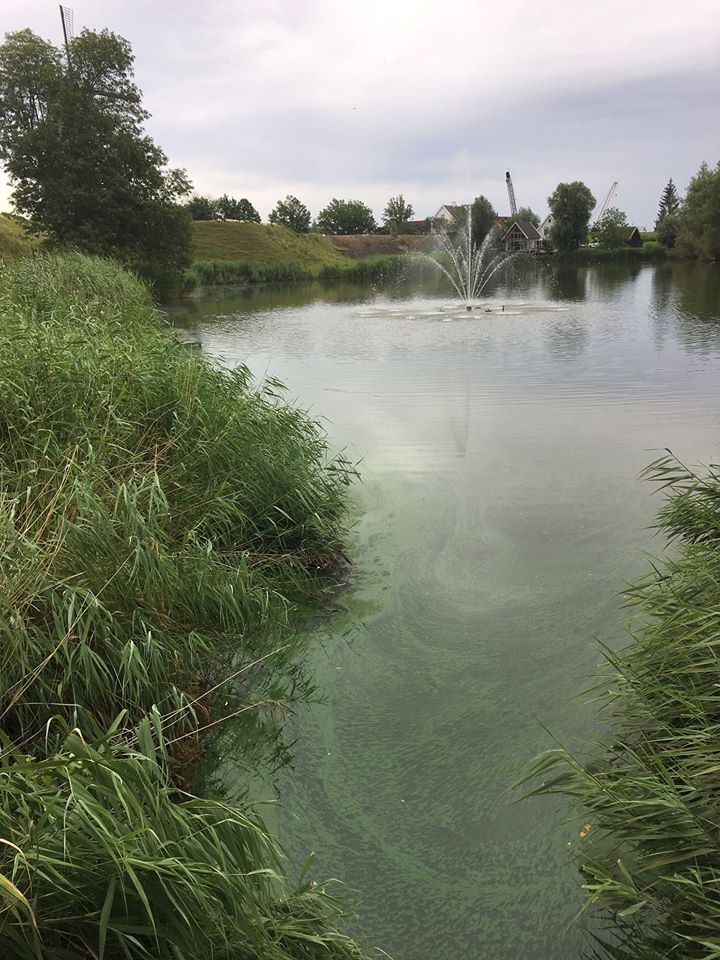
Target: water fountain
[(471, 267)]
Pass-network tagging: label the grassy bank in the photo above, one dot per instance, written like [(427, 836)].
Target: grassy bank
[(378, 268), (14, 239), (650, 851), (261, 243), (245, 253), (650, 251), (160, 524)]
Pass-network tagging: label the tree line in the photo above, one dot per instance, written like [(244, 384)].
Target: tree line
[(339, 217)]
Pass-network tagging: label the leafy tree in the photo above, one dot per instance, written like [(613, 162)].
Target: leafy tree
[(613, 230), (571, 205), (83, 171), (200, 208), (669, 202), (228, 208), (291, 213), (398, 209), (527, 216), (483, 217), (668, 228), (345, 217), (699, 235)]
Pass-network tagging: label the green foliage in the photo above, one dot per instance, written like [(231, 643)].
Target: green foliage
[(613, 230), (291, 213), (102, 858), (668, 227), (200, 208), (483, 217), (527, 215), (15, 241), (699, 234), (161, 507), (83, 171), (159, 517), (652, 793), (228, 208), (342, 217), (397, 209), (210, 272), (571, 205), (669, 202)]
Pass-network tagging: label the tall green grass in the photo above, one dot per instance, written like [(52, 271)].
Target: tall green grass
[(161, 521), (209, 272), (651, 795)]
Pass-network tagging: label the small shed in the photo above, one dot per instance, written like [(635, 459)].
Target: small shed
[(522, 235), (635, 239)]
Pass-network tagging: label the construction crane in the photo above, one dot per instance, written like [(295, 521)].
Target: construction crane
[(66, 18), (606, 202), (511, 193)]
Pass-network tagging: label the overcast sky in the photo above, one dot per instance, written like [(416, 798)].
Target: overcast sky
[(434, 100)]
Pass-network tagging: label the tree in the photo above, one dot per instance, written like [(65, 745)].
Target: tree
[(291, 213), (200, 208), (483, 216), (346, 217), (83, 171), (669, 202), (397, 209), (228, 208), (699, 234), (613, 230), (527, 216), (668, 228), (571, 205)]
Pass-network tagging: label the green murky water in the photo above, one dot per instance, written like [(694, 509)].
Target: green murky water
[(498, 518)]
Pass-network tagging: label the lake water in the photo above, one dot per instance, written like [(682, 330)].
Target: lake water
[(499, 517)]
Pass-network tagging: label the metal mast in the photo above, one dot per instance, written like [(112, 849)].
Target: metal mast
[(606, 202), (66, 17), (511, 193)]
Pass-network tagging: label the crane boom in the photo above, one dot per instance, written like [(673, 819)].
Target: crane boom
[(606, 202), (511, 193)]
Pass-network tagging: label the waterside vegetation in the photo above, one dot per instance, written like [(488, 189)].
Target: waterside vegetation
[(650, 793), (161, 523)]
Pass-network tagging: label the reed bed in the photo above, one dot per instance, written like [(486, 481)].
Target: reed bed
[(161, 522), (650, 851)]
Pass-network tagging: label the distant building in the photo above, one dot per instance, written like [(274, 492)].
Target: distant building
[(522, 236), (635, 239), (450, 214)]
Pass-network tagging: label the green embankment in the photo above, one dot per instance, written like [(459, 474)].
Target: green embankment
[(160, 522), (14, 240), (649, 852), (261, 243), (234, 252)]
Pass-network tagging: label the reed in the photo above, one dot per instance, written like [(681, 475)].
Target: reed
[(651, 792), (161, 523)]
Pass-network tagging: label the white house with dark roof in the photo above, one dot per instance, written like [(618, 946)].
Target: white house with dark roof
[(449, 213)]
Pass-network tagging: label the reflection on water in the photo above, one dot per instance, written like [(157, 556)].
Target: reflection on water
[(498, 518)]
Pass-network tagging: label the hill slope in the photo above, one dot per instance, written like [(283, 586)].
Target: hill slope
[(261, 243), (14, 241)]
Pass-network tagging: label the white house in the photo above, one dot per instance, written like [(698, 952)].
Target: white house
[(544, 228), (449, 213)]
